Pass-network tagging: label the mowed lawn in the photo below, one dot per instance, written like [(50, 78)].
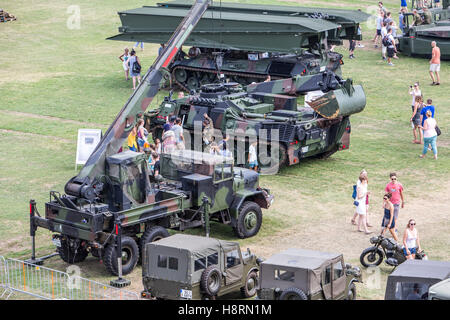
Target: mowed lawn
[(55, 80)]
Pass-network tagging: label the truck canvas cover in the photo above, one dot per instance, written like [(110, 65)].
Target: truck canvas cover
[(308, 266), (186, 249), (426, 272)]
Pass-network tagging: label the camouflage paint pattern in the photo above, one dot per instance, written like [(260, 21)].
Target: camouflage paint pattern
[(270, 108)]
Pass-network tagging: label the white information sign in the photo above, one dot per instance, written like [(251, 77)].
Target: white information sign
[(88, 139)]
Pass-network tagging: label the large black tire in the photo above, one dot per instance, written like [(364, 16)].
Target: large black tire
[(373, 255), (249, 220), (251, 283), (351, 292), (130, 256), (293, 294), (211, 281), (72, 255), (151, 234)]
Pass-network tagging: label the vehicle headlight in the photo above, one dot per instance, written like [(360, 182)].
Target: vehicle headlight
[(374, 240)]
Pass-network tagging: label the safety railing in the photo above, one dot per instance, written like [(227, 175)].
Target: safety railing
[(50, 284)]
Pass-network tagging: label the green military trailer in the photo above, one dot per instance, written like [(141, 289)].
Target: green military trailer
[(191, 267), (246, 42), (417, 36), (195, 188), (298, 274)]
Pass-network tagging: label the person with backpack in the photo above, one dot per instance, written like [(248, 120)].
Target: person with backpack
[(390, 44), (135, 68)]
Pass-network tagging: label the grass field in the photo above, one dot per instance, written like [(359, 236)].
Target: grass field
[(54, 80)]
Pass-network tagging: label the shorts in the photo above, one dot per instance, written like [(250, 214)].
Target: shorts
[(390, 52), (412, 250), (385, 222), (378, 32), (140, 142), (396, 210), (434, 67), (125, 66), (253, 164), (132, 74)]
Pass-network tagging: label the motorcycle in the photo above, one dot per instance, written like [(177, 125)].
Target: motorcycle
[(385, 248)]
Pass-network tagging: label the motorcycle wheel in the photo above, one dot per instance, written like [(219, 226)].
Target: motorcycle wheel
[(371, 257)]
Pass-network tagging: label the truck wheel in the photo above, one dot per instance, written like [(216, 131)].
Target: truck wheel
[(351, 293), (69, 254), (130, 256), (251, 283), (151, 234), (249, 220), (293, 294), (211, 281), (371, 257)]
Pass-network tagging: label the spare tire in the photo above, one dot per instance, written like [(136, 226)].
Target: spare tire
[(293, 294), (211, 280)]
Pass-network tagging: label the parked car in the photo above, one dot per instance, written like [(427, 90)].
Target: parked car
[(412, 279), (297, 274), (193, 267)]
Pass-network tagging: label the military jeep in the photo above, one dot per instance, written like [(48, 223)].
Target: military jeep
[(298, 274), (193, 267), (412, 279)]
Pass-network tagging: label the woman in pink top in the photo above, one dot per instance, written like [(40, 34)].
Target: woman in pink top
[(429, 135)]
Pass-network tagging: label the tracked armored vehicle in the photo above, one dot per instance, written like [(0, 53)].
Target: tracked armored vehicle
[(267, 113), (112, 207), (416, 39), (246, 42)]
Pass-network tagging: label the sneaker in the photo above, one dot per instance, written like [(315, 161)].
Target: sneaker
[(390, 64), (384, 58), (437, 84)]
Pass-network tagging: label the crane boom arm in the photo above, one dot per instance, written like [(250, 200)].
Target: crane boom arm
[(87, 184)]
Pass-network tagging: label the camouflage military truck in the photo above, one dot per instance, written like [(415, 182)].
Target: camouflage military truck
[(416, 39), (246, 42), (191, 267), (297, 274), (196, 188), (111, 207), (268, 113)]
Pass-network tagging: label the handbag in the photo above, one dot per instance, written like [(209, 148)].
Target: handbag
[(438, 131)]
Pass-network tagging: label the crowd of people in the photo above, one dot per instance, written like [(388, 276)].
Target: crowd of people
[(423, 122), (393, 201)]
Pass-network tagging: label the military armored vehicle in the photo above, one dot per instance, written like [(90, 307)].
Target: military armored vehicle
[(412, 279), (297, 274), (111, 207), (268, 113), (192, 267), (246, 42), (416, 39), (440, 291)]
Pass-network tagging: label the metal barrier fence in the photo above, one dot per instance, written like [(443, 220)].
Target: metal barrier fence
[(49, 284)]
